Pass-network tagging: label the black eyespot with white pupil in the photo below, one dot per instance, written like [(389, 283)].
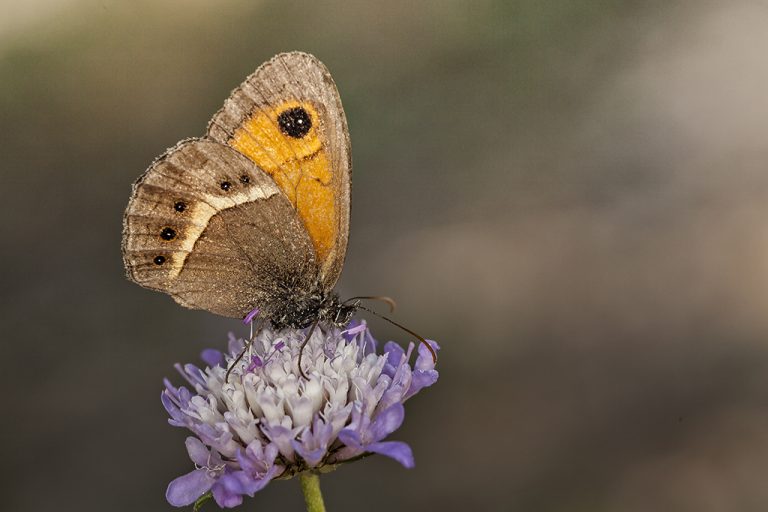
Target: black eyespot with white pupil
[(159, 260), (244, 179), (225, 186), (168, 234), (180, 206), (295, 122)]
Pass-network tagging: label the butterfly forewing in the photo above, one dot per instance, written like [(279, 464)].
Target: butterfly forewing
[(288, 119)]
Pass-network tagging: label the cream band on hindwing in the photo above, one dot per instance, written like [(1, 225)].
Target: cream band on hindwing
[(201, 213)]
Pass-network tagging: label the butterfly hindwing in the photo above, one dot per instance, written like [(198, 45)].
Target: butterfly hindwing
[(288, 119), (208, 227)]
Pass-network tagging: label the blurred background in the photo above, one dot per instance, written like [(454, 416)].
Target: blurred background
[(570, 196)]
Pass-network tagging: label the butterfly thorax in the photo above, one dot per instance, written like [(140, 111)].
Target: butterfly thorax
[(298, 308)]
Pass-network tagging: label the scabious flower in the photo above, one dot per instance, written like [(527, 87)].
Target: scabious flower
[(266, 421)]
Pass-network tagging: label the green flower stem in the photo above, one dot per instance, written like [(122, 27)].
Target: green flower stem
[(310, 486)]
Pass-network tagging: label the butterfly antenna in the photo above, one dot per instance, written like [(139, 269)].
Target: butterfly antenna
[(387, 300), (304, 344), (418, 337), (245, 349)]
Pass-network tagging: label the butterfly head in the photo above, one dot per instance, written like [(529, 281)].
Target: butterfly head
[(342, 311)]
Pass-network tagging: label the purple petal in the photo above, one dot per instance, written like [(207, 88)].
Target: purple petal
[(170, 387), (224, 496), (264, 454), (312, 457), (337, 419), (344, 453), (212, 357), (184, 396), (250, 485), (197, 451), (387, 422), (185, 489), (170, 405), (232, 483), (350, 438), (397, 450), (424, 361), (397, 387), (270, 453), (369, 343), (353, 329), (256, 459), (420, 380), (273, 472), (282, 437), (394, 353), (195, 375), (359, 421), (353, 445)]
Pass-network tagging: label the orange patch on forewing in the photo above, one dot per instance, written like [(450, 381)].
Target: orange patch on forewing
[(299, 167)]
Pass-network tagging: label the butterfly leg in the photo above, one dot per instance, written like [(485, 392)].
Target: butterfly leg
[(248, 344), (304, 344)]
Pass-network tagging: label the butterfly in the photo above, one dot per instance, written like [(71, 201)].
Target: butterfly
[(253, 217), (255, 214)]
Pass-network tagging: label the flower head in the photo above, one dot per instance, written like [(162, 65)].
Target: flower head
[(267, 421)]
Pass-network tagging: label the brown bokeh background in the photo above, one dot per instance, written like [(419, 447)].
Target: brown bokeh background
[(570, 196)]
